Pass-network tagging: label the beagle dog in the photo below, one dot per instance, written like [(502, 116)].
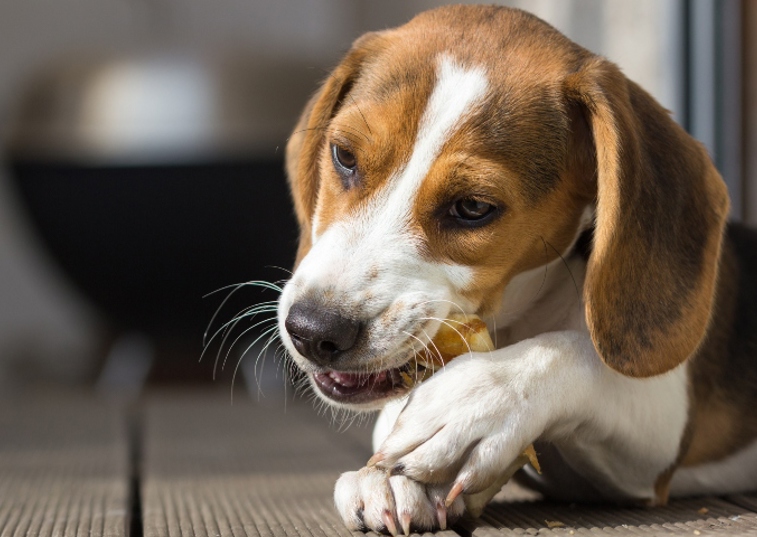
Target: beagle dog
[(476, 160)]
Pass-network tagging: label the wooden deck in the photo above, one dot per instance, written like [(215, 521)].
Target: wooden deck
[(192, 465)]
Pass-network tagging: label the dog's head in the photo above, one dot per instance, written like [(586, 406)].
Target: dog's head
[(437, 161)]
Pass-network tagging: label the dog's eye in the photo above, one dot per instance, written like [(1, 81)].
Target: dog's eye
[(471, 211), (344, 159)]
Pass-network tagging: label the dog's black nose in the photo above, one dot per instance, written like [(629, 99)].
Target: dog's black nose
[(320, 335)]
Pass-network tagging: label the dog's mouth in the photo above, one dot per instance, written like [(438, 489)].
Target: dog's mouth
[(359, 388)]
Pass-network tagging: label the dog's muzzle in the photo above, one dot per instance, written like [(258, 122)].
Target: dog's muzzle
[(320, 335), (333, 345)]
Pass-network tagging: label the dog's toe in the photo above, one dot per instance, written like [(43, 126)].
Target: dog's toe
[(414, 507), (348, 501), (364, 500), (370, 499)]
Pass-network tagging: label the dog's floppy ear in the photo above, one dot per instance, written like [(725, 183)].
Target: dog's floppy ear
[(304, 147), (660, 212)]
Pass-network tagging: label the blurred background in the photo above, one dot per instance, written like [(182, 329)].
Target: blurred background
[(141, 162)]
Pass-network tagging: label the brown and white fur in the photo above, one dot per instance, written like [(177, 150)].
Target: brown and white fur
[(475, 159)]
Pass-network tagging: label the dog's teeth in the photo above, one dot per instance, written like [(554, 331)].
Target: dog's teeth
[(344, 379)]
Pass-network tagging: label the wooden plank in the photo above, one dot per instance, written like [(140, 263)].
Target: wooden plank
[(697, 516), (64, 468), (211, 469), (747, 501)]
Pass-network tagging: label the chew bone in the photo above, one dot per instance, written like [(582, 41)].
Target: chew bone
[(457, 335)]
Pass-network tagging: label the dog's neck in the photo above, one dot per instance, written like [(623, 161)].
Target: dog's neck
[(540, 300)]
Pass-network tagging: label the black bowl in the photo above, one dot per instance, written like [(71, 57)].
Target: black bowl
[(145, 243)]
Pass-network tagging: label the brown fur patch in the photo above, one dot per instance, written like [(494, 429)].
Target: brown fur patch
[(380, 133), (527, 234)]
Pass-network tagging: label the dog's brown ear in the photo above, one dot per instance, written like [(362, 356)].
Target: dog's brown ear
[(303, 150), (660, 212)]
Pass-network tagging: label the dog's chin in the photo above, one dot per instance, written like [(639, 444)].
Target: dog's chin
[(359, 391)]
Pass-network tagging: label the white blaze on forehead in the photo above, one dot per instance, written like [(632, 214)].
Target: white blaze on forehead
[(453, 100), (457, 91)]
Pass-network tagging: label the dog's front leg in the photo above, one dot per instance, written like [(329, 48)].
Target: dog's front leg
[(463, 426), (466, 424)]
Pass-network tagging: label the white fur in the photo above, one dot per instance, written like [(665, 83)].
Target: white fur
[(386, 420), (546, 298), (543, 384), (541, 300)]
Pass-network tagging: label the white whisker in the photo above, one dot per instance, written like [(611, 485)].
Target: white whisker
[(234, 288), (454, 304), (435, 349), (448, 322), (240, 336), (251, 345), (227, 337), (226, 329)]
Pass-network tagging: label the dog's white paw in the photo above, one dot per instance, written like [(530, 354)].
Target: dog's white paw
[(370, 499), (467, 424)]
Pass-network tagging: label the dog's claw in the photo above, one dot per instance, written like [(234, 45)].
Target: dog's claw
[(441, 515), (454, 492), (388, 519), (405, 521), (373, 461)]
